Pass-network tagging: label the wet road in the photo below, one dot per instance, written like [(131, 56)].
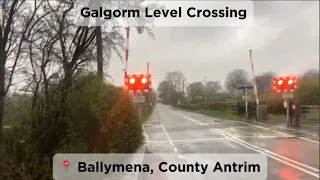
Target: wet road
[(291, 155)]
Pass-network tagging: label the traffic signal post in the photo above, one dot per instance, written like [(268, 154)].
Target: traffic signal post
[(286, 86), (136, 85)]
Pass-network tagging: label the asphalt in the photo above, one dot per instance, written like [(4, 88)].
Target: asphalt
[(291, 155)]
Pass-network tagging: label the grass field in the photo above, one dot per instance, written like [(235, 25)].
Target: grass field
[(276, 117)]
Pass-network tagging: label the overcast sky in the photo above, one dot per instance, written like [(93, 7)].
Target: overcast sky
[(284, 39)]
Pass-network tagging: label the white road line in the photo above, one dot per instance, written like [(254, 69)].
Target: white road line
[(175, 149), (269, 129), (191, 140), (299, 131), (170, 141), (290, 160), (272, 155), (309, 140), (177, 126), (166, 133), (150, 142), (291, 129), (190, 119), (146, 136), (212, 139)]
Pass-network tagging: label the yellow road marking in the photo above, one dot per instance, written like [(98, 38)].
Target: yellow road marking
[(256, 131), (232, 128), (275, 131)]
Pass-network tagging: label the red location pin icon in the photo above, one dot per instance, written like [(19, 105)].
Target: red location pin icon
[(66, 164)]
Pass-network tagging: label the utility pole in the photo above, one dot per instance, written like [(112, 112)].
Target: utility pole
[(99, 51), (246, 100), (127, 51), (205, 92), (99, 45), (149, 93)]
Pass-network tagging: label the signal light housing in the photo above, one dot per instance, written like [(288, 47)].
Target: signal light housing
[(284, 84), (138, 83)]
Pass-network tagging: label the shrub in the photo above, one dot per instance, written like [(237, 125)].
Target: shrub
[(100, 118)]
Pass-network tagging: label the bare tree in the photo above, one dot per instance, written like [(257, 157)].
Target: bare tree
[(195, 91), (165, 91), (264, 82), (212, 89), (311, 73), (18, 19), (175, 79), (236, 78)]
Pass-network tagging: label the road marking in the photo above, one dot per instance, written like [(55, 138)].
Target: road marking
[(166, 133), (299, 131), (233, 129), (146, 136), (211, 139), (191, 140), (261, 127), (150, 142), (257, 132), (197, 122), (271, 154), (309, 140), (190, 119), (170, 141), (265, 128), (263, 151), (175, 149), (291, 129), (176, 126), (283, 157)]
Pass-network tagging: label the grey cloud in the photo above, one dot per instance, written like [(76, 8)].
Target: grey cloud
[(285, 39)]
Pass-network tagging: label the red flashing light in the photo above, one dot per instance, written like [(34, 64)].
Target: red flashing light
[(138, 83), (284, 84), (144, 80), (132, 80)]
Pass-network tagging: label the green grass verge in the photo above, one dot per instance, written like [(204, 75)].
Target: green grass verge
[(226, 114), (146, 117)]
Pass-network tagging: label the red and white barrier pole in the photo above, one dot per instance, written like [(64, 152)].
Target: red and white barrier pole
[(126, 51), (254, 84), (254, 78)]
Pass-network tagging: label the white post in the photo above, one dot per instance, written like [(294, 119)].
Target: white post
[(246, 100), (288, 117)]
